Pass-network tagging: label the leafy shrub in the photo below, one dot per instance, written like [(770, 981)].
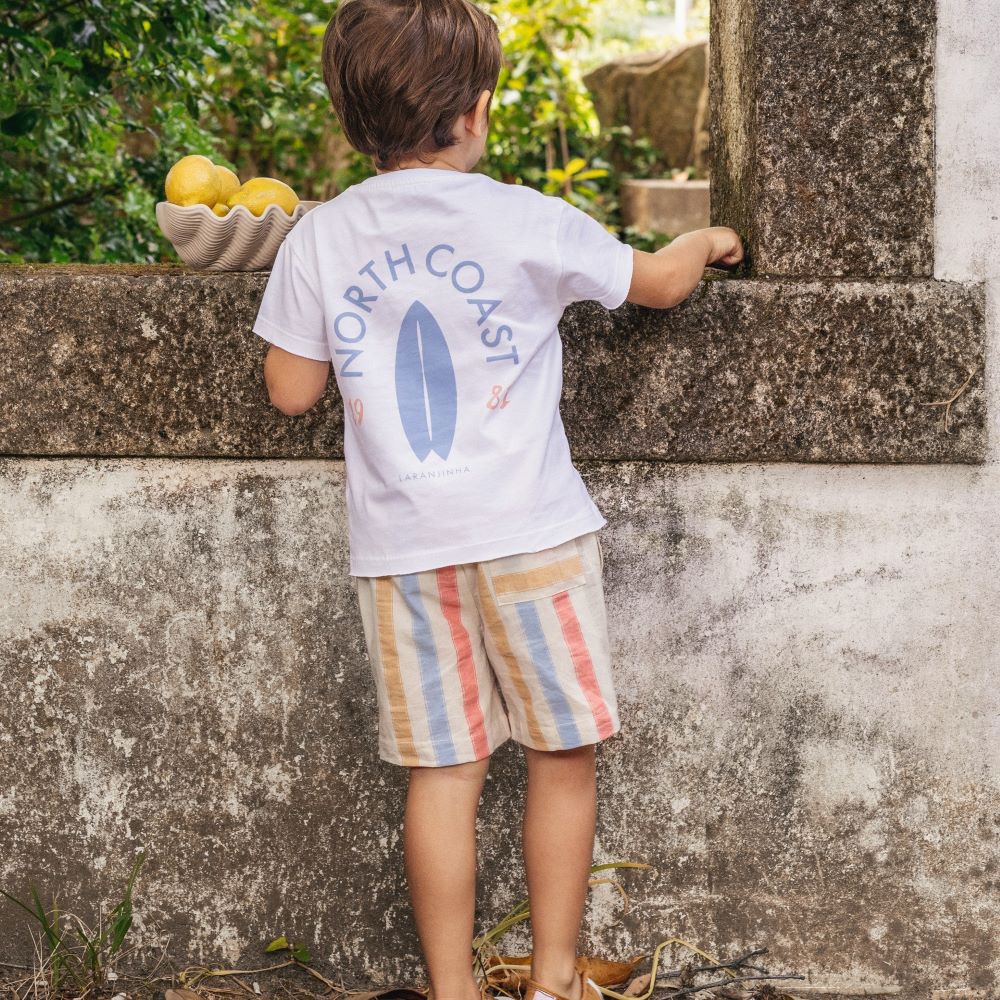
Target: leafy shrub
[(103, 98)]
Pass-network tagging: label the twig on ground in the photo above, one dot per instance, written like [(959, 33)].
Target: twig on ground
[(673, 994), (734, 963), (946, 403)]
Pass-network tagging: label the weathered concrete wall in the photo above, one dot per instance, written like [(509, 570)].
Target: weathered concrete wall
[(807, 658), (808, 756)]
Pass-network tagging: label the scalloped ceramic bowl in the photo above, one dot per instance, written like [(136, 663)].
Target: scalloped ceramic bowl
[(237, 241)]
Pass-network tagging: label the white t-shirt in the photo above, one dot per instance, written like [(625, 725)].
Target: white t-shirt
[(436, 295)]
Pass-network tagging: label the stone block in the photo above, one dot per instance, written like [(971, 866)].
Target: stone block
[(665, 206), (161, 361), (662, 96), (823, 134), (820, 371)]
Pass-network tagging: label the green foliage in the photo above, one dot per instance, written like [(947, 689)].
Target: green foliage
[(297, 952), (76, 955), (104, 98), (543, 117), (99, 99), (624, 31), (272, 112)]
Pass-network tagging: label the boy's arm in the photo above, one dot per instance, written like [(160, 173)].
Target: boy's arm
[(294, 383), (291, 319), (665, 278)]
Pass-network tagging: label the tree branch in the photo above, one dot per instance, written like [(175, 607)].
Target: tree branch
[(79, 199), (48, 15)]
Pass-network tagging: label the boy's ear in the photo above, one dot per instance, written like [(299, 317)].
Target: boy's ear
[(476, 120)]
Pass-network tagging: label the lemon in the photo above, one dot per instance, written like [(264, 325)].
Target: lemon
[(192, 180), (221, 208), (259, 192), (228, 184)]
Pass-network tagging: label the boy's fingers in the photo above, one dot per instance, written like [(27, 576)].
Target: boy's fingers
[(722, 265)]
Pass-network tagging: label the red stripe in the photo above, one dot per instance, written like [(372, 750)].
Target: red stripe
[(447, 580), (582, 662)]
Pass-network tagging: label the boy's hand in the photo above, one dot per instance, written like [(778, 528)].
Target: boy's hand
[(727, 248), (667, 277)]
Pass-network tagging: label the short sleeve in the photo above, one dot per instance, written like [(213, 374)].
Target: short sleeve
[(595, 264), (291, 312)]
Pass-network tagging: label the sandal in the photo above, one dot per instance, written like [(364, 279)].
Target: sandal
[(589, 990)]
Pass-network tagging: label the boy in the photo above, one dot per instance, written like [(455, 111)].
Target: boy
[(435, 293)]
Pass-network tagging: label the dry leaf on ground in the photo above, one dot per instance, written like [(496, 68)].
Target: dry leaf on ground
[(602, 971), (638, 986), (607, 973)]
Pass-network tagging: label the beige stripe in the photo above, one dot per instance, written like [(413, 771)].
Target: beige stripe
[(393, 677), (491, 617), (541, 576)]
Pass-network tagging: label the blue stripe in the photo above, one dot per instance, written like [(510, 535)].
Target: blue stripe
[(430, 672), (542, 661)]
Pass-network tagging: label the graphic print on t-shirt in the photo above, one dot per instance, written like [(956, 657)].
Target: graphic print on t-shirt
[(432, 307), (426, 392)]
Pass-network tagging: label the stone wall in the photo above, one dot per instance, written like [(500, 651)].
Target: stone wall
[(806, 649)]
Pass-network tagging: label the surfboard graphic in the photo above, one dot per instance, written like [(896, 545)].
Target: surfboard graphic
[(425, 384)]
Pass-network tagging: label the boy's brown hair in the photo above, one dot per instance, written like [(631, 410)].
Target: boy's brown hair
[(401, 72)]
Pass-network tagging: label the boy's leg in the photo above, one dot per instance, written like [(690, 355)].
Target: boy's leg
[(558, 833), (547, 637), (439, 843), (440, 715)]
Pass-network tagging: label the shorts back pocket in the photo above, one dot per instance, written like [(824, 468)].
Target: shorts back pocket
[(529, 576)]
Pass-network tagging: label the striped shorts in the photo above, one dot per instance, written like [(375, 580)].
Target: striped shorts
[(467, 656)]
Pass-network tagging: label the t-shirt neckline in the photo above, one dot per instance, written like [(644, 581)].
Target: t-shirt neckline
[(406, 175)]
